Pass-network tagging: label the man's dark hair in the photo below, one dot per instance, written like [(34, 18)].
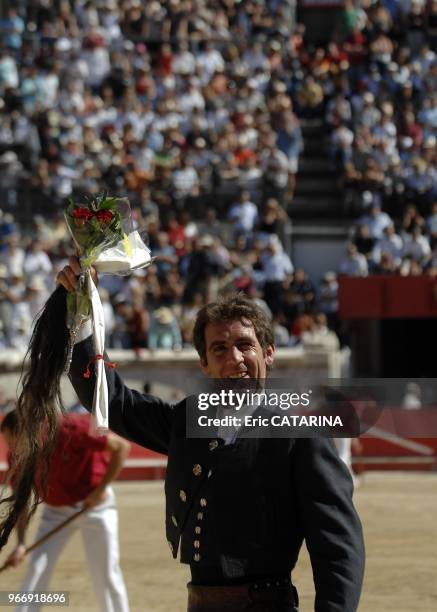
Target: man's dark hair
[(234, 307), (37, 414)]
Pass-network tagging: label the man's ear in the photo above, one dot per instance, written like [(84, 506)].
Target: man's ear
[(270, 355)]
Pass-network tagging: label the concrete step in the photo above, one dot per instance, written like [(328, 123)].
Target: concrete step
[(316, 185), (313, 131), (312, 124), (324, 207), (316, 165), (325, 227), (316, 146)]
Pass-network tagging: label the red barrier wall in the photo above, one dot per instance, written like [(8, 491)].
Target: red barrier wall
[(382, 297)]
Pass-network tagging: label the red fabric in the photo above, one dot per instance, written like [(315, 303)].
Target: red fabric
[(78, 463)]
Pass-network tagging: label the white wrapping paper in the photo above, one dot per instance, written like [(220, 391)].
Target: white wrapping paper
[(100, 400), (117, 260)]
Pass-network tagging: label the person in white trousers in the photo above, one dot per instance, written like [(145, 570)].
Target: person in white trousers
[(79, 475)]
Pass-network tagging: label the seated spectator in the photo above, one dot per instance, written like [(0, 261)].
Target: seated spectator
[(302, 324), (271, 220), (12, 256), (363, 240), (354, 263), (410, 267), (164, 331), (390, 244), (165, 254), (341, 144), (328, 299), (386, 265), (276, 170), (376, 221), (36, 261), (304, 291), (210, 225), (320, 336), (204, 264), (20, 317), (243, 214), (281, 333), (243, 280), (185, 181), (310, 98), (417, 246), (290, 142), (277, 268), (130, 325), (410, 219)]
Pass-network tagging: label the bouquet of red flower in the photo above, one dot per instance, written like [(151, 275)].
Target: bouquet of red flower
[(100, 223), (101, 229)]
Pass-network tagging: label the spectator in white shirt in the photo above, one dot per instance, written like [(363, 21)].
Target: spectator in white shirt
[(277, 268), (184, 61), (185, 179), (192, 98), (13, 257), (391, 243), (418, 246), (243, 214), (276, 263), (353, 264), (21, 320), (376, 221), (37, 261), (209, 61)]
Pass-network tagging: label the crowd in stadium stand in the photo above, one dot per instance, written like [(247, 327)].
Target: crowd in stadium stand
[(383, 120), (191, 108)]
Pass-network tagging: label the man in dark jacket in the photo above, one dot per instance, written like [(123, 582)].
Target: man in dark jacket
[(239, 509)]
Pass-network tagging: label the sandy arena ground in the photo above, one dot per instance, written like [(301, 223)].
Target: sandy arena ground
[(398, 511)]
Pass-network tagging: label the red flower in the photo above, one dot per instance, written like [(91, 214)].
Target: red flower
[(82, 213), (104, 216)]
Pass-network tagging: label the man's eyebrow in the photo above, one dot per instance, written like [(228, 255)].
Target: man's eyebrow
[(216, 343), (223, 342)]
